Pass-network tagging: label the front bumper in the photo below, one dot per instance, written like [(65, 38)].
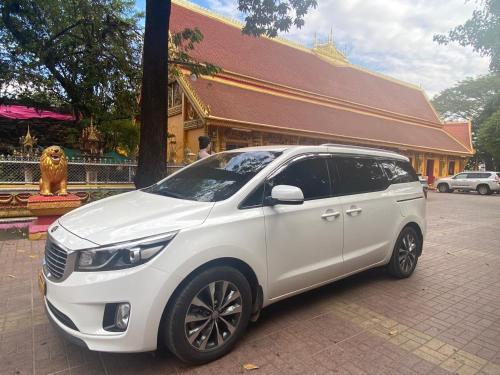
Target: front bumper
[(82, 298)]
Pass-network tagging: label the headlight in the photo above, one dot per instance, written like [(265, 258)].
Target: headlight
[(122, 255)]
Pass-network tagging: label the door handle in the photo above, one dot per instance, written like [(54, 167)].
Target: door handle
[(328, 214), (351, 211)]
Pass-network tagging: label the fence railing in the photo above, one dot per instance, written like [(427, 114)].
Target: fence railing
[(16, 170)]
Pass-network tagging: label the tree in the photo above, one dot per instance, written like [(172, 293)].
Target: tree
[(467, 99), (84, 53), (475, 100), (153, 136), (481, 31), (489, 137), (264, 17)]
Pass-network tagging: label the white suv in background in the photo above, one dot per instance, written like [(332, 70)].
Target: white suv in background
[(484, 183), (190, 260)]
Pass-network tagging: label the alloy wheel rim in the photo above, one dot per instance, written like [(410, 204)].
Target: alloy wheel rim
[(407, 253), (213, 315), (482, 190)]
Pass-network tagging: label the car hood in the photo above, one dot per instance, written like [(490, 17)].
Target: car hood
[(133, 215)]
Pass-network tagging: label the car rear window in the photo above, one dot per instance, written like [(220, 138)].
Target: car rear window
[(360, 175)]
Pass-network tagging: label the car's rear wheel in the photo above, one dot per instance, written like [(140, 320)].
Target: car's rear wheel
[(209, 315), (483, 189), (405, 253), (443, 188)]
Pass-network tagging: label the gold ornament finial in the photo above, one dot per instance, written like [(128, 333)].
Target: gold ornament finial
[(329, 52)]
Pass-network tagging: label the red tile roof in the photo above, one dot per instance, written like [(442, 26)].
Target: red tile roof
[(460, 131), (250, 106), (299, 68)]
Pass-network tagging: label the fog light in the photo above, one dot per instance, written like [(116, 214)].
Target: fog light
[(122, 316)]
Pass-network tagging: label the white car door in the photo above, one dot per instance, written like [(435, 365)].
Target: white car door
[(473, 179), (304, 242), (459, 181), (371, 214)]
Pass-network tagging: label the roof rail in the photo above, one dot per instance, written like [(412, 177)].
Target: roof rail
[(358, 147)]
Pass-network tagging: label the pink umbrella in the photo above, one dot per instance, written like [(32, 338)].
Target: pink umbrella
[(21, 112)]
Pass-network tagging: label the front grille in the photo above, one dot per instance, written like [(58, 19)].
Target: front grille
[(64, 319), (55, 259)]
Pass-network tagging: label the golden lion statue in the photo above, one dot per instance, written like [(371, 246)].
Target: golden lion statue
[(54, 167)]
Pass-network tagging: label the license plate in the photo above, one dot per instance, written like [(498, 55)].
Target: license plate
[(41, 284)]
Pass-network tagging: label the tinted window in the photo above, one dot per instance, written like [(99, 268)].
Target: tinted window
[(360, 175), (399, 171), (478, 175), (215, 178), (311, 175), (254, 199)]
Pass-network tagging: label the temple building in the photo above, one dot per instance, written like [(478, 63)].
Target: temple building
[(272, 91)]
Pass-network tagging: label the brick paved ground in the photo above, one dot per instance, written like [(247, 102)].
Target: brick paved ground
[(444, 319)]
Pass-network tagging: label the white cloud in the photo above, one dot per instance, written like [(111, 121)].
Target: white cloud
[(393, 37)]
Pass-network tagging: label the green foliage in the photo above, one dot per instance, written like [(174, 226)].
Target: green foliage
[(481, 31), (85, 53), (268, 17), (485, 139), (468, 98), (121, 134), (489, 136)]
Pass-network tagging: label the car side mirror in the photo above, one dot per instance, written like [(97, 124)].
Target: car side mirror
[(286, 194)]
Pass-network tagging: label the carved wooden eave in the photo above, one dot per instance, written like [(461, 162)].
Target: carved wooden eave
[(202, 109)]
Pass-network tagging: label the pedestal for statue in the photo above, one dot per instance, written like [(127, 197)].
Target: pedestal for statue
[(48, 209)]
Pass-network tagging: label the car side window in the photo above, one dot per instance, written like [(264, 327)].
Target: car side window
[(460, 176), (474, 175), (309, 174), (254, 199), (360, 175), (399, 171)]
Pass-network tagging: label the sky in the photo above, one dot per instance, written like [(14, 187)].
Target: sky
[(392, 37)]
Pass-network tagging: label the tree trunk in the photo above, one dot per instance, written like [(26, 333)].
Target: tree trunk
[(154, 115)]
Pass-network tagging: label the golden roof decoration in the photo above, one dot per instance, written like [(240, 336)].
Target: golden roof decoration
[(92, 140), (28, 142), (328, 51)]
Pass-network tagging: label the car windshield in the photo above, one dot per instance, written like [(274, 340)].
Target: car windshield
[(215, 178)]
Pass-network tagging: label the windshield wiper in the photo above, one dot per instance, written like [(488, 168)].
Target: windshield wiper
[(167, 193)]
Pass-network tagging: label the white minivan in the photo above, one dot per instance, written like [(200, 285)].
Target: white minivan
[(187, 262)]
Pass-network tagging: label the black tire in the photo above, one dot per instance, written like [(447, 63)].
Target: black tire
[(443, 188), (176, 328), (398, 266), (484, 190)]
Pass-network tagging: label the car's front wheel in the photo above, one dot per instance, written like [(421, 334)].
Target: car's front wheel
[(405, 254), (209, 315), (443, 188)]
